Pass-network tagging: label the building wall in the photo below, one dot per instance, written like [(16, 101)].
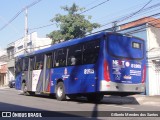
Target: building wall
[(3, 71), (153, 35), (11, 74), (33, 43), (153, 53), (3, 67), (154, 77)]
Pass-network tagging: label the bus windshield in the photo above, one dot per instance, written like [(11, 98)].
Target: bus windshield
[(125, 47)]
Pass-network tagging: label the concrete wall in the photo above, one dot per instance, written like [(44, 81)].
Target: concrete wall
[(34, 43), (3, 77), (153, 35), (153, 53)]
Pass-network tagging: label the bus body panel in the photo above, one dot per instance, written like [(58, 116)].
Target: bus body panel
[(18, 83), (77, 79)]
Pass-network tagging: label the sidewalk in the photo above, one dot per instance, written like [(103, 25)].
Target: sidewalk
[(134, 99), (4, 87), (148, 100)]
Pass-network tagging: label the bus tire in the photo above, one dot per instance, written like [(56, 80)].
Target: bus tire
[(60, 91), (95, 97)]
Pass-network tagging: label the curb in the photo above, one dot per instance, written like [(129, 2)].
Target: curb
[(4, 87), (148, 100), (137, 99)]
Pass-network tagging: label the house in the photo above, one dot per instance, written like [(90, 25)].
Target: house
[(148, 28), (3, 68), (14, 49), (3, 72)]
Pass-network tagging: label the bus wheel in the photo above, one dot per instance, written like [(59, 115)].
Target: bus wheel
[(24, 89), (60, 92), (94, 97)]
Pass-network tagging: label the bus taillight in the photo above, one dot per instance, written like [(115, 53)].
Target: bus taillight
[(144, 74), (106, 71)]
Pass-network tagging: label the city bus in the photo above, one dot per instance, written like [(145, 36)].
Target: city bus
[(102, 64)]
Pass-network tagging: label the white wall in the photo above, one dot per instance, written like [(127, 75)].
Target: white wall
[(3, 52), (36, 44), (42, 43), (153, 35), (153, 53), (11, 74)]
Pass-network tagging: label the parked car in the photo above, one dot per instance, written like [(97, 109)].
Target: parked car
[(12, 83)]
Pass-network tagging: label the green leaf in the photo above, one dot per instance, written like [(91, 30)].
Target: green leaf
[(71, 25)]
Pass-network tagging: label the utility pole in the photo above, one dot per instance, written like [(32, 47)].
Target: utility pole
[(114, 26), (26, 31)]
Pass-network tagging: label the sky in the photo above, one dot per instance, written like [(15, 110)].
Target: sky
[(41, 14)]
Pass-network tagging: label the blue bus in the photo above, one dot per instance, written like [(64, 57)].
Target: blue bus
[(93, 66)]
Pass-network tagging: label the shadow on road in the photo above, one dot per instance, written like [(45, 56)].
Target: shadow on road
[(118, 100), (95, 113), (17, 110)]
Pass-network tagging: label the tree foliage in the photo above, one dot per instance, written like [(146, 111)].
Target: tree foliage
[(72, 25)]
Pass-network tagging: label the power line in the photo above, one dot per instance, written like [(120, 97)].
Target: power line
[(94, 7), (109, 29), (121, 11), (144, 10), (23, 9), (42, 26), (132, 14), (91, 3), (79, 13)]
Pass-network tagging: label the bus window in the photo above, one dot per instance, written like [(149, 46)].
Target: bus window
[(39, 62), (75, 55), (18, 66), (125, 47), (49, 60), (60, 57), (32, 61), (91, 51), (25, 64)]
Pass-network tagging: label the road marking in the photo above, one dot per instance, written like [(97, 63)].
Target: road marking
[(122, 107)]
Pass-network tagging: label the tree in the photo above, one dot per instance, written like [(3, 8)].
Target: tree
[(72, 25)]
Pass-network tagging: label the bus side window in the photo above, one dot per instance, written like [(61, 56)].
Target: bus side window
[(60, 57), (74, 55), (91, 52), (32, 62), (18, 66), (39, 62), (49, 60), (25, 64)]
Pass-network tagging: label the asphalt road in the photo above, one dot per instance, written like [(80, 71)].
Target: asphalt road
[(13, 100)]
